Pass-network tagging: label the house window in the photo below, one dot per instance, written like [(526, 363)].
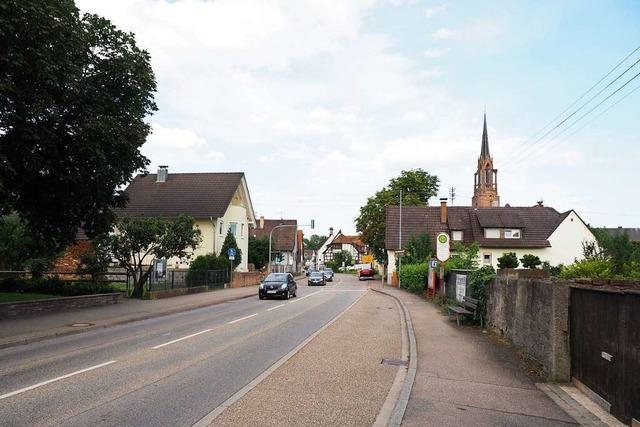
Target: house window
[(233, 227), (492, 233), (221, 226), (486, 259), (241, 230), (456, 235), (511, 233)]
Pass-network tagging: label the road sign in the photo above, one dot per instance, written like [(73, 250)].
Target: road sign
[(366, 259), (231, 252), (442, 247), (231, 258)]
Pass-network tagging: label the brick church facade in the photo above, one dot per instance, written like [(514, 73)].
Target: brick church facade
[(485, 188)]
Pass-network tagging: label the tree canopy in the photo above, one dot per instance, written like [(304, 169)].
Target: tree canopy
[(75, 91), (314, 242), (230, 242), (258, 251), (138, 240), (417, 187)]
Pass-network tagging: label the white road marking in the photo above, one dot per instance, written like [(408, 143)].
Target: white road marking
[(180, 339), (242, 318), (22, 390), (277, 306), (301, 298)]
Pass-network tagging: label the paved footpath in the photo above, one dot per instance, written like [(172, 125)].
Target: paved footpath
[(465, 379), (35, 328), (335, 380)]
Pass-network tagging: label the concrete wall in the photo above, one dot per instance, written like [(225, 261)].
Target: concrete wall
[(252, 278), (534, 315)]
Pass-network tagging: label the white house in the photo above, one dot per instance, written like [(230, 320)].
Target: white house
[(218, 201), (539, 230)]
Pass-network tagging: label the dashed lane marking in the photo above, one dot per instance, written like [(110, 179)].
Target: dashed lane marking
[(181, 339)]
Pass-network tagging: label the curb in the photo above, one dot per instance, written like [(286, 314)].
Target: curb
[(403, 399), (211, 416), (30, 340)]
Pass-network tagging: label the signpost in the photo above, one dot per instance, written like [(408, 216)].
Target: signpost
[(442, 253), (231, 254)]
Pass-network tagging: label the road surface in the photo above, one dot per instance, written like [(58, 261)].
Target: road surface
[(166, 371)]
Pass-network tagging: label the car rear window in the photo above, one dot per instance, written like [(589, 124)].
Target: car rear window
[(276, 277)]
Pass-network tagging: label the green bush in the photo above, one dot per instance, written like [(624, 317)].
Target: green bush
[(508, 260), (413, 277), (478, 280), (203, 263), (530, 261), (588, 269), (554, 271), (463, 257)]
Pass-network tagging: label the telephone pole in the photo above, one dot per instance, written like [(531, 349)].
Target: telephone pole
[(452, 194)]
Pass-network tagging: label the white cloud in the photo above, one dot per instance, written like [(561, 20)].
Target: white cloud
[(444, 34), (430, 12), (434, 52)]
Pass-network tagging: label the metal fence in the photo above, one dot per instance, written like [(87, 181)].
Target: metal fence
[(175, 279)]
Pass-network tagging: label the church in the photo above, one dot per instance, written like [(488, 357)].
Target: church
[(554, 236)]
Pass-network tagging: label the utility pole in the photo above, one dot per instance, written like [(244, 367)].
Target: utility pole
[(452, 194), (400, 241)]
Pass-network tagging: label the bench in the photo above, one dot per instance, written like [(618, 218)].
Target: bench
[(467, 307)]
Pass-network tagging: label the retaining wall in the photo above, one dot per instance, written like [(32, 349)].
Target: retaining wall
[(168, 293), (26, 308), (250, 278)]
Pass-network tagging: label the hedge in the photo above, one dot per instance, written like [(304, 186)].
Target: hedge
[(55, 286), (413, 277)]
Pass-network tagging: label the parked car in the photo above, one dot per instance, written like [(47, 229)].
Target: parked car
[(278, 285), (328, 274), (317, 278), (310, 269), (366, 273)]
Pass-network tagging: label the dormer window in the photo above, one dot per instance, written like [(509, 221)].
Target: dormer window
[(512, 233), (492, 233)]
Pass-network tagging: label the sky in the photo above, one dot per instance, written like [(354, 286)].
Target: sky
[(321, 102)]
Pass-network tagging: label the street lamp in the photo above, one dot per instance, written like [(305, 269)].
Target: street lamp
[(312, 224)]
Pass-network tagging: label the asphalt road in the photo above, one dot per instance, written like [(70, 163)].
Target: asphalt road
[(166, 371)]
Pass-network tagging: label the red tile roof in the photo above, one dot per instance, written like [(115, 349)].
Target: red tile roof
[(283, 239)]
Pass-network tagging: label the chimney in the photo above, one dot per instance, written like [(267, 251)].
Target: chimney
[(261, 222), (443, 210), (163, 172), (331, 231)]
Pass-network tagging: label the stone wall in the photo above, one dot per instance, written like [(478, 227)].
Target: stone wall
[(251, 278), (26, 308), (534, 314), (168, 293)]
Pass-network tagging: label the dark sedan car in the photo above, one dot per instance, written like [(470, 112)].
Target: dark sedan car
[(328, 274), (278, 285), (316, 278)]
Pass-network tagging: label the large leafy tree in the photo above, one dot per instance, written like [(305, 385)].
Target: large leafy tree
[(418, 249), (314, 242), (136, 241), (74, 92), (258, 251), (417, 187)]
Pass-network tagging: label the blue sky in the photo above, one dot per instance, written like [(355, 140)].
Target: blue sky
[(321, 102)]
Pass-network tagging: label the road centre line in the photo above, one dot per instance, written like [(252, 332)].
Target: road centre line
[(277, 306), (242, 318), (90, 368), (180, 339), (301, 298)]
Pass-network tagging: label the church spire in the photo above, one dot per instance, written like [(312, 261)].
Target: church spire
[(484, 152)]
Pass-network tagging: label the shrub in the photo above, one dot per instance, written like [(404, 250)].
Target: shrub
[(530, 261), (553, 271), (230, 242), (413, 277), (55, 286), (418, 249), (479, 279), (203, 263), (463, 257), (588, 269), (508, 260)]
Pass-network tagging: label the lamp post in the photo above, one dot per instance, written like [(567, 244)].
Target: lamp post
[(312, 224)]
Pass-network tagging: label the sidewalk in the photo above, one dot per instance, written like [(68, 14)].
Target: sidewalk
[(465, 378), (38, 327)]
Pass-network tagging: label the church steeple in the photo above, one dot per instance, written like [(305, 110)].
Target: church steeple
[(485, 188), (484, 151)]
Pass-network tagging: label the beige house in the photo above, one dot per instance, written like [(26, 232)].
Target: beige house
[(218, 201)]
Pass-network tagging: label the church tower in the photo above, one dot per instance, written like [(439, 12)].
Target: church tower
[(485, 188)]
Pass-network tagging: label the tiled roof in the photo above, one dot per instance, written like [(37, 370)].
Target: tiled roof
[(282, 239), (537, 224), (350, 240), (201, 195), (633, 233)]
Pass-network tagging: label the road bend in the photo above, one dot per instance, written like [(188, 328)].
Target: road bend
[(166, 371)]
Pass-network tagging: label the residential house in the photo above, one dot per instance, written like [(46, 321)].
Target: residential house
[(539, 230), (633, 233), (218, 201), (342, 242), (286, 243)]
